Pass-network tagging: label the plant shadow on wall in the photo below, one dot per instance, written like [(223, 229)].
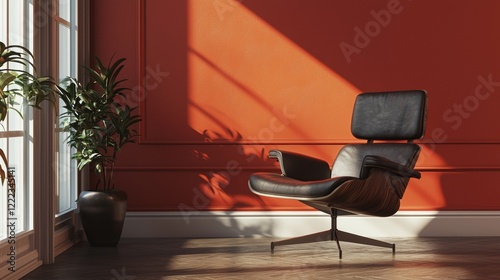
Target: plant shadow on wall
[(223, 185), (383, 45), (19, 85), (198, 152), (390, 50), (100, 123), (394, 56)]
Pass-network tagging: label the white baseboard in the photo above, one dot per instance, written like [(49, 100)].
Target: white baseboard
[(288, 224)]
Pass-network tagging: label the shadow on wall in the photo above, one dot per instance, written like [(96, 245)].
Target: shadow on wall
[(385, 45), (380, 45), (245, 77), (249, 76)]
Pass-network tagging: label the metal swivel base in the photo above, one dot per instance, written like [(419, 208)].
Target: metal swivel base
[(334, 234)]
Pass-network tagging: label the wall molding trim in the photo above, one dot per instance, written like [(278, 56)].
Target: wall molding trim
[(220, 224)]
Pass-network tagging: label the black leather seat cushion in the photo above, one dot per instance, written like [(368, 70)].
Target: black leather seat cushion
[(273, 184)]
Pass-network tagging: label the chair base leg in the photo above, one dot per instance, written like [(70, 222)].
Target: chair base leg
[(334, 234), (338, 236), (358, 239), (315, 237)]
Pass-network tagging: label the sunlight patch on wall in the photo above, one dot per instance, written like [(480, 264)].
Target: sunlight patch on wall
[(247, 78), (248, 83), (420, 194)]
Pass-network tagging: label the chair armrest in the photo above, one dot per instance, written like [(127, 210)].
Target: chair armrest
[(301, 167), (275, 185), (388, 165)]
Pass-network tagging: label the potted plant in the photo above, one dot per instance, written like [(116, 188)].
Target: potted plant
[(100, 123), (18, 82)]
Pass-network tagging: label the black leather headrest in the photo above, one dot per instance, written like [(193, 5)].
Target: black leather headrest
[(395, 115)]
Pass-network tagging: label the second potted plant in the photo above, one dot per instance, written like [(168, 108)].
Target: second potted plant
[(100, 123), (16, 81)]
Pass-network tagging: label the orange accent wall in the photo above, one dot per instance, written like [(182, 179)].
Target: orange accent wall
[(221, 82)]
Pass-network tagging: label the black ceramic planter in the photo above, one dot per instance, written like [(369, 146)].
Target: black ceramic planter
[(102, 215)]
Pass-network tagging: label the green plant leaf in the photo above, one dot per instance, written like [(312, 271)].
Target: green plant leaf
[(6, 163), (99, 126)]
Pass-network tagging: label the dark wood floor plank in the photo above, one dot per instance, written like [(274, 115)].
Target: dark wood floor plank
[(248, 258)]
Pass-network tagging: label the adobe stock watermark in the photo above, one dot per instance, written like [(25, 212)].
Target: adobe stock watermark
[(222, 179), (43, 16), (225, 6), (460, 111), (11, 220), (363, 37), (313, 262), (122, 275), (152, 80)]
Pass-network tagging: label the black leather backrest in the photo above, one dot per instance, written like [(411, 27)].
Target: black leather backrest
[(395, 115)]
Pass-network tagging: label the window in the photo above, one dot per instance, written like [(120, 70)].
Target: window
[(66, 42), (17, 240), (39, 159), (16, 133)]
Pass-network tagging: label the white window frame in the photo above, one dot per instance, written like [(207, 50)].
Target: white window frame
[(66, 222), (18, 253), (67, 167), (48, 231)]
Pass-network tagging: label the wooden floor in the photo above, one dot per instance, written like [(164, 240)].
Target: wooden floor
[(247, 258)]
